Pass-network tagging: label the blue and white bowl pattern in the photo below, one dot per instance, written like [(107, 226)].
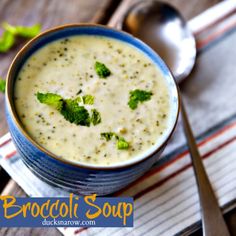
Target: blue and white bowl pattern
[(71, 176)]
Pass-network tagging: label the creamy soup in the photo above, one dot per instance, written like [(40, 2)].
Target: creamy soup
[(67, 67)]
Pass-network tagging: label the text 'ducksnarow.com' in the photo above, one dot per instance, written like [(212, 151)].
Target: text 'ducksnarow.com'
[(61, 223)]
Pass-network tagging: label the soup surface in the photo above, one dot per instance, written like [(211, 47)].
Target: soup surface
[(67, 67)]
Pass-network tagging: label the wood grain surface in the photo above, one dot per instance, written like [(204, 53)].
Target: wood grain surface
[(55, 12)]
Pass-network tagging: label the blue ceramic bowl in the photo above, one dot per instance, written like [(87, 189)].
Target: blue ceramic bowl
[(77, 177)]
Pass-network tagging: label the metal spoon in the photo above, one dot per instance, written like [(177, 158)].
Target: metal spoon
[(164, 29)]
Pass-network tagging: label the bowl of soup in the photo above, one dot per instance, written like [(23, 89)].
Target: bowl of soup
[(90, 109)]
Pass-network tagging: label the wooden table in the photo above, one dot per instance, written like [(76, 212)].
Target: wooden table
[(51, 13)]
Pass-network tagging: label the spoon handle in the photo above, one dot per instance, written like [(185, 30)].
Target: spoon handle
[(213, 223)]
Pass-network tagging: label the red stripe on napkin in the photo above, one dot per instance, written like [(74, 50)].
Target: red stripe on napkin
[(10, 155), (181, 155), (158, 184)]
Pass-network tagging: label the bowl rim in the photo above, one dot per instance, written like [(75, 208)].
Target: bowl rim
[(13, 114)]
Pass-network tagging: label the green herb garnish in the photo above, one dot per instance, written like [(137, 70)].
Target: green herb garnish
[(51, 99), (70, 109), (78, 99), (6, 41), (74, 113), (101, 70), (121, 143), (23, 31), (2, 85), (88, 99), (108, 135), (137, 96), (95, 117)]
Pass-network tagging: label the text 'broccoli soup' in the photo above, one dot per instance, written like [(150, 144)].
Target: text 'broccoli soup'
[(92, 99)]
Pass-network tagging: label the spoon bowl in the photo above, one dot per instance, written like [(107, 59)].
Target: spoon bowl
[(163, 28)]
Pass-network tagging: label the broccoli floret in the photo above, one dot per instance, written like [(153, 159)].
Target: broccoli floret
[(101, 70), (137, 96)]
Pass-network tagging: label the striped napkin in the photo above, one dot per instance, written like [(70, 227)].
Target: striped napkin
[(166, 199)]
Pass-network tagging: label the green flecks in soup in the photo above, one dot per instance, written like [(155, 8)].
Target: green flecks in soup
[(127, 95)]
